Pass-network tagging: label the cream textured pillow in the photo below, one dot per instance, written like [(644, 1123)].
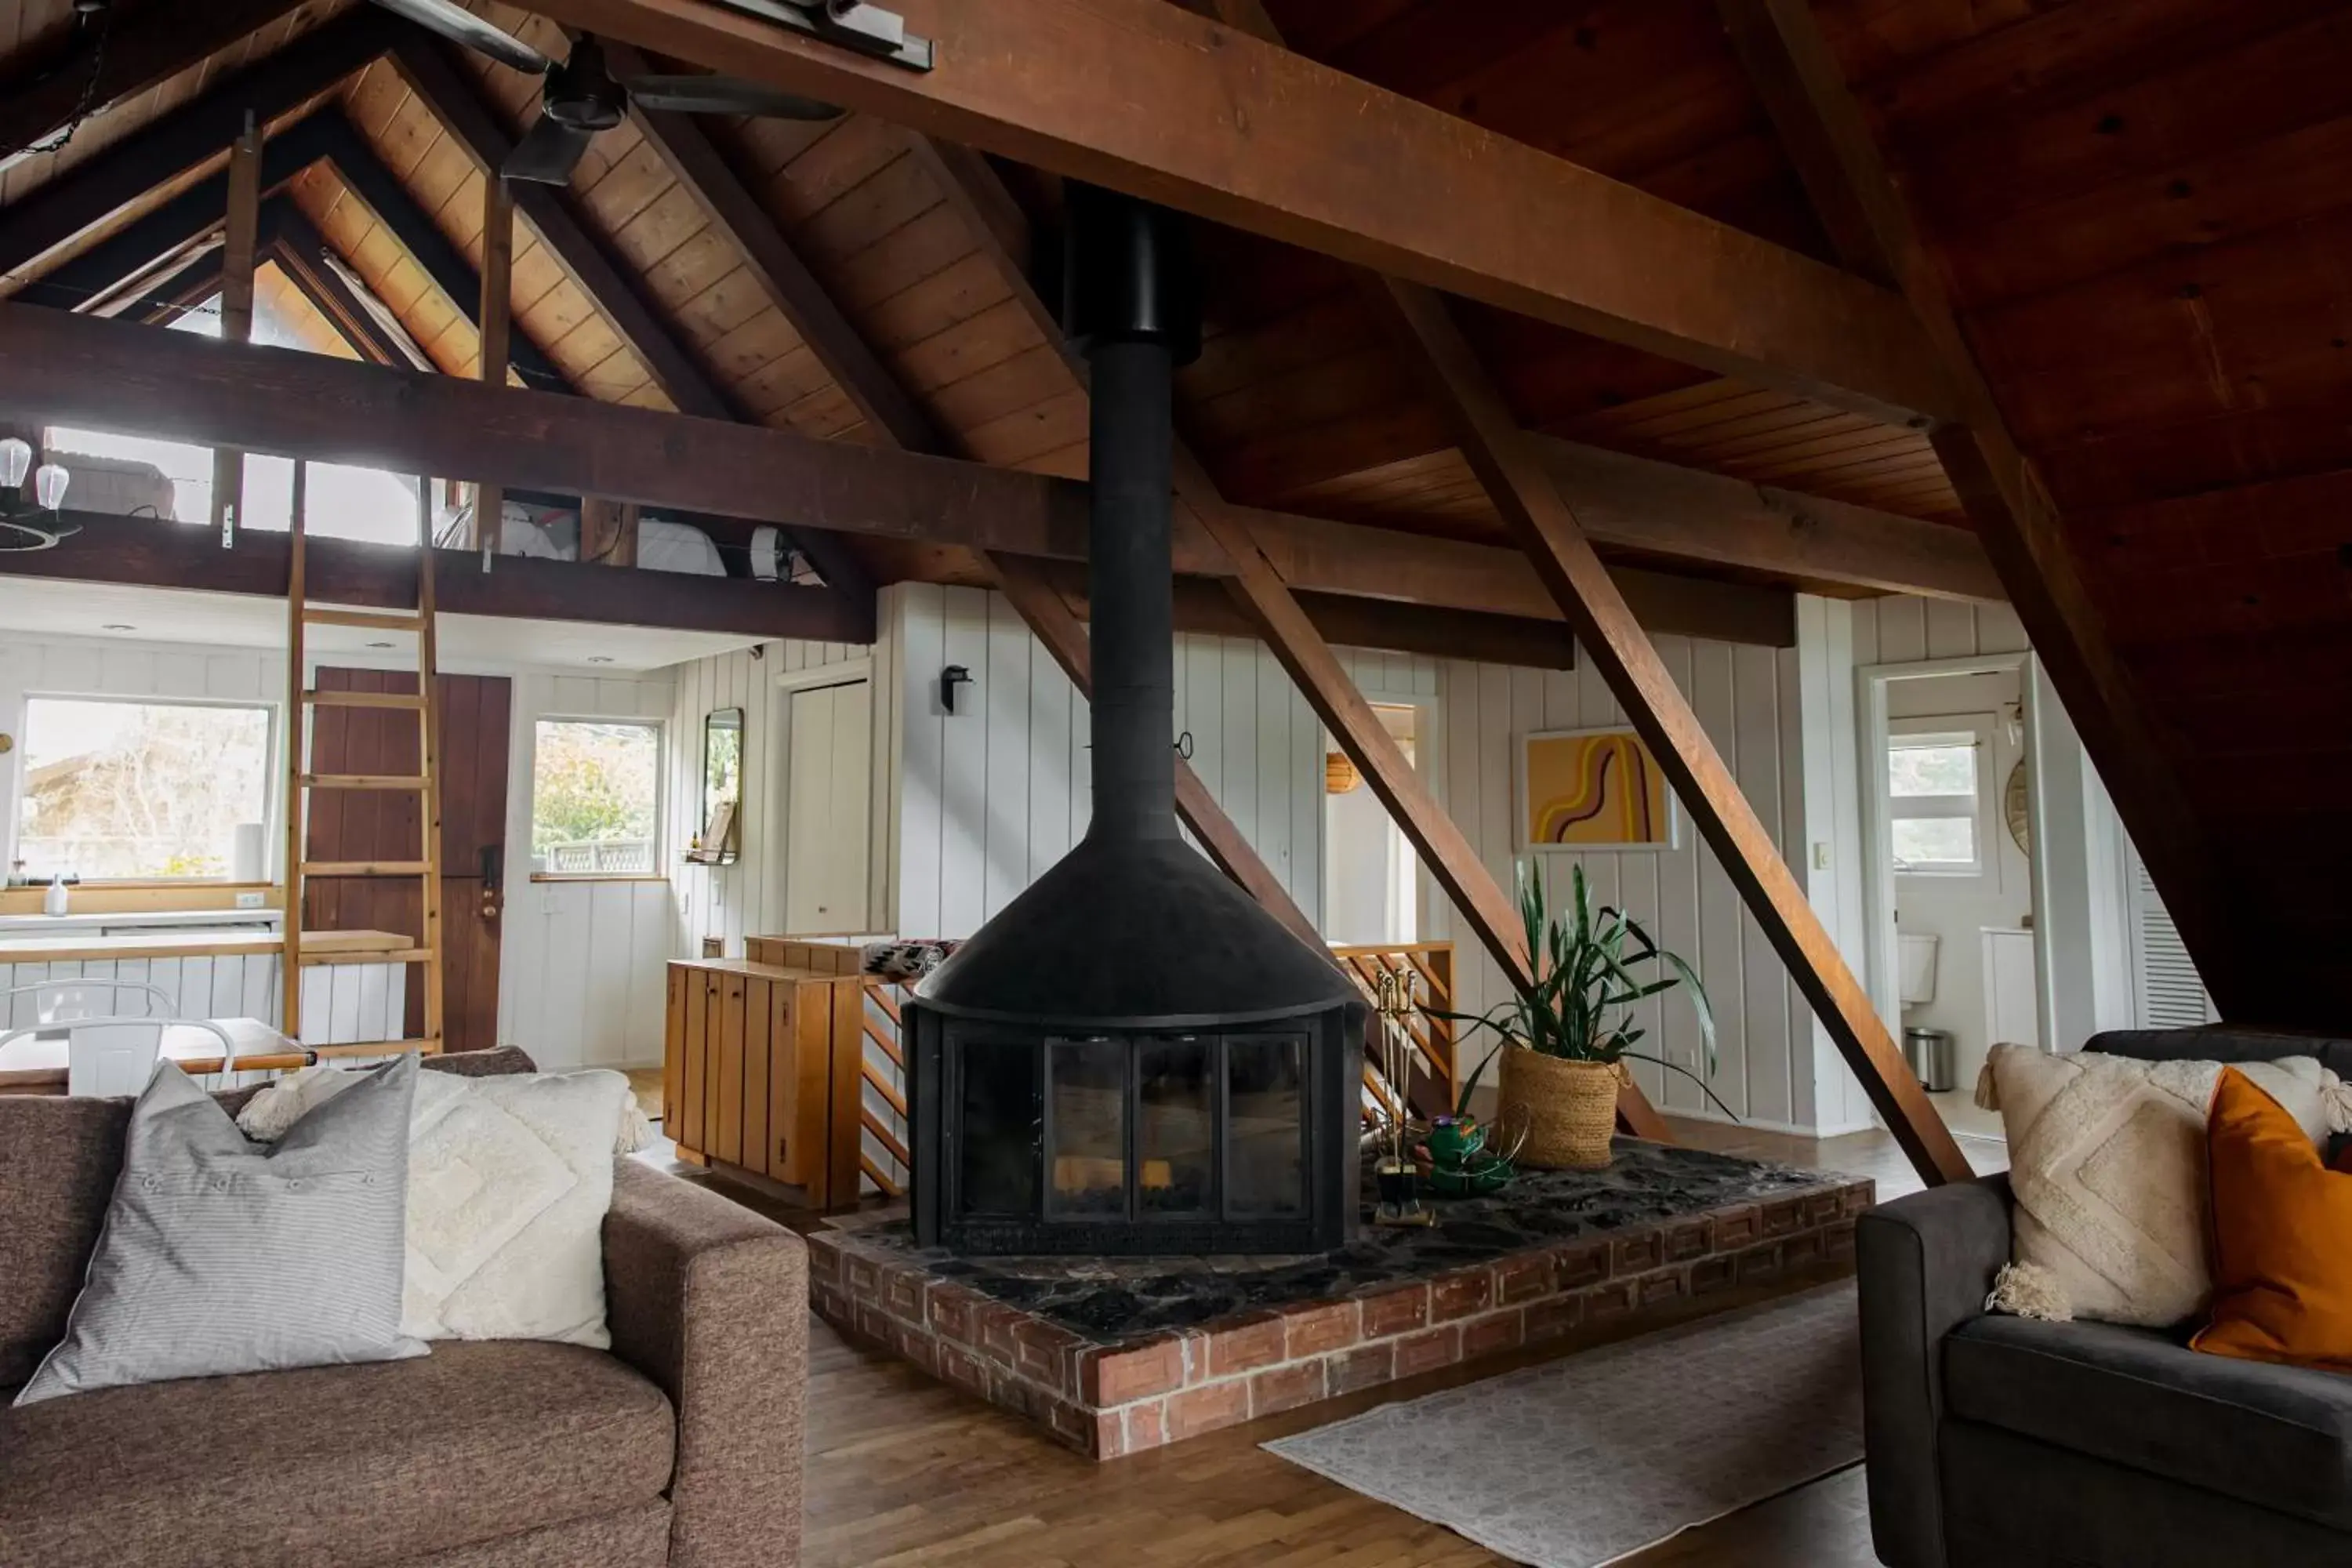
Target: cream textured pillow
[(509, 1177), (2108, 1164)]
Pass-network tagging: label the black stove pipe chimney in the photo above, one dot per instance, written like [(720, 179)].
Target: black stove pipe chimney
[(1130, 304)]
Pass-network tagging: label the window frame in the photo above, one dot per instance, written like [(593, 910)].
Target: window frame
[(661, 728), (273, 792), (1974, 729)]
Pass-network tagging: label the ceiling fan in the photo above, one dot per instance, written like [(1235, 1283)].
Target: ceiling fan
[(580, 96)]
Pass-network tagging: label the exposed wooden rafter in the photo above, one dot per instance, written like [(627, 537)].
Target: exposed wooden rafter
[(1829, 140), (145, 47), (143, 552), (1145, 98), (240, 241)]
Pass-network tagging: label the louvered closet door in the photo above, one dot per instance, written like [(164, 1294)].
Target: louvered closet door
[(2165, 991)]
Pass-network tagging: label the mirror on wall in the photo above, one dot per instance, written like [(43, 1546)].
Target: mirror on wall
[(723, 789)]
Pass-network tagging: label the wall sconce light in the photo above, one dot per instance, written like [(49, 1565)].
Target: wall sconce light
[(950, 678), (19, 529)]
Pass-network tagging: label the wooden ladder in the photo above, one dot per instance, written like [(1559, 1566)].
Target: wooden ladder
[(301, 700)]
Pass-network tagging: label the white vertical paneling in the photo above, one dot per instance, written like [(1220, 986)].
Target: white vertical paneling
[(1005, 711)]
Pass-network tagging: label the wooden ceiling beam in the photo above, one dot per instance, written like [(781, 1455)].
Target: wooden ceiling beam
[(175, 145), (112, 375), (142, 552), (1829, 138), (302, 253), (1144, 97), (144, 48)]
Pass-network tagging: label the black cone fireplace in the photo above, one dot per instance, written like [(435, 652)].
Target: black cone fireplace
[(1134, 1057)]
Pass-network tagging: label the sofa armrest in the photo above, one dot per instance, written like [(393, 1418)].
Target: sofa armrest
[(1925, 1264), (710, 1302)]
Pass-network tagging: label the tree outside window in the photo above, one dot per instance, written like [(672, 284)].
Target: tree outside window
[(131, 791), (596, 803)]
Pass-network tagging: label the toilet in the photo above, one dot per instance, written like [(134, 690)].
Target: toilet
[(1916, 967)]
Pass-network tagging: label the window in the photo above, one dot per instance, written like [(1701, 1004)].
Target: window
[(595, 797), (1934, 780), (118, 791)]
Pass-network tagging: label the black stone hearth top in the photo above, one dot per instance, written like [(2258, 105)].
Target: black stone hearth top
[(1109, 1300)]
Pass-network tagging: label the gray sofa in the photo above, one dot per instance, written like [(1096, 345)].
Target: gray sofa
[(681, 1449), (2002, 1442)]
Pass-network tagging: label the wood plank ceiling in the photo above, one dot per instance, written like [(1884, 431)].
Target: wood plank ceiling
[(1298, 400)]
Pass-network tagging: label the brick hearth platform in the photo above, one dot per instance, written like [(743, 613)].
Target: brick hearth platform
[(1118, 1356)]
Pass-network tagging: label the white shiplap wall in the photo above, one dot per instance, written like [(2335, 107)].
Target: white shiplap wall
[(993, 794), (746, 899), (579, 962)]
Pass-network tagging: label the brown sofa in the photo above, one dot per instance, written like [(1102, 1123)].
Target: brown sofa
[(681, 1448)]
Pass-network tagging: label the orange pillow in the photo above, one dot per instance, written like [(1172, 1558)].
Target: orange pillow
[(2282, 1236)]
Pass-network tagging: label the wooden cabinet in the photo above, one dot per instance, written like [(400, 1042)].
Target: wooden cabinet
[(759, 1072)]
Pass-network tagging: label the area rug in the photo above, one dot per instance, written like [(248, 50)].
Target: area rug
[(1588, 1459)]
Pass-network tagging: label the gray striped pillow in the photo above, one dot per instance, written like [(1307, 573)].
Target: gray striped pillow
[(220, 1254)]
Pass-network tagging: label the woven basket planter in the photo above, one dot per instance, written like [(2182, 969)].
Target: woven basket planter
[(1567, 1110)]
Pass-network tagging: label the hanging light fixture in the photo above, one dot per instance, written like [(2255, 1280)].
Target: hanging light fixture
[(1339, 775), (21, 519)]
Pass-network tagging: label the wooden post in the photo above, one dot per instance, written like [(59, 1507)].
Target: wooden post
[(297, 724), (1515, 477), (237, 254), (608, 531), (497, 337)]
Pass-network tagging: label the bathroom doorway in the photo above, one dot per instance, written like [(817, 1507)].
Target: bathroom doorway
[(1952, 888), (1370, 876)]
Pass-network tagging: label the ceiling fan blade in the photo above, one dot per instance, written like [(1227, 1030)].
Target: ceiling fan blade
[(548, 154), (691, 94), (459, 25)]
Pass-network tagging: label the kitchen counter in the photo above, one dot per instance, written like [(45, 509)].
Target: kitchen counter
[(75, 947), (136, 921)]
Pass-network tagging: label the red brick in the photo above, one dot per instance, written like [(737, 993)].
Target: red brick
[(1837, 1240), (1684, 1242), (1039, 1354), (960, 1367), (1801, 1251), (1633, 1254), (1246, 1345), (1504, 1331), (1549, 1319), (1313, 1331), (1286, 1387), (873, 1323), (1735, 1228), (902, 1294), (860, 1277), (920, 1349), (1784, 1217), (1860, 1196), (1367, 1367), (1460, 1293), (1665, 1285), (824, 1260), (1395, 1311), (954, 1313), (1574, 1268), (999, 1325), (1523, 1279), (1106, 1434), (1117, 1376), (1207, 1408), (1147, 1424), (1614, 1300), (1823, 1208), (1428, 1350), (1712, 1274), (1761, 1263)]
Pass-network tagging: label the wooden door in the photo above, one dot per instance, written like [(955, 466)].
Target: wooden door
[(384, 824), (827, 809)]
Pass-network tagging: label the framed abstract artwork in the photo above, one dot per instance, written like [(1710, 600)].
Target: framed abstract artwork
[(1593, 789)]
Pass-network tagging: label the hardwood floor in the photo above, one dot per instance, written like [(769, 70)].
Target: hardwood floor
[(905, 1470)]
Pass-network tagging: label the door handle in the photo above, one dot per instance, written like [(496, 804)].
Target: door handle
[(494, 866)]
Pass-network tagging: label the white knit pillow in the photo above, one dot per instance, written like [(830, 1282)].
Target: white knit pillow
[(509, 1176), (2108, 1162)]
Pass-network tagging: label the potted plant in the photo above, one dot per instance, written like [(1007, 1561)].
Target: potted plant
[(1567, 1033)]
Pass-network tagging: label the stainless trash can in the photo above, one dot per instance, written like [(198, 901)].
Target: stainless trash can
[(1930, 1054)]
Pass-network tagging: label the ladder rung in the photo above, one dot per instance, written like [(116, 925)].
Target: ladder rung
[(367, 867), (373, 620), (403, 700), (362, 781), (338, 957)]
